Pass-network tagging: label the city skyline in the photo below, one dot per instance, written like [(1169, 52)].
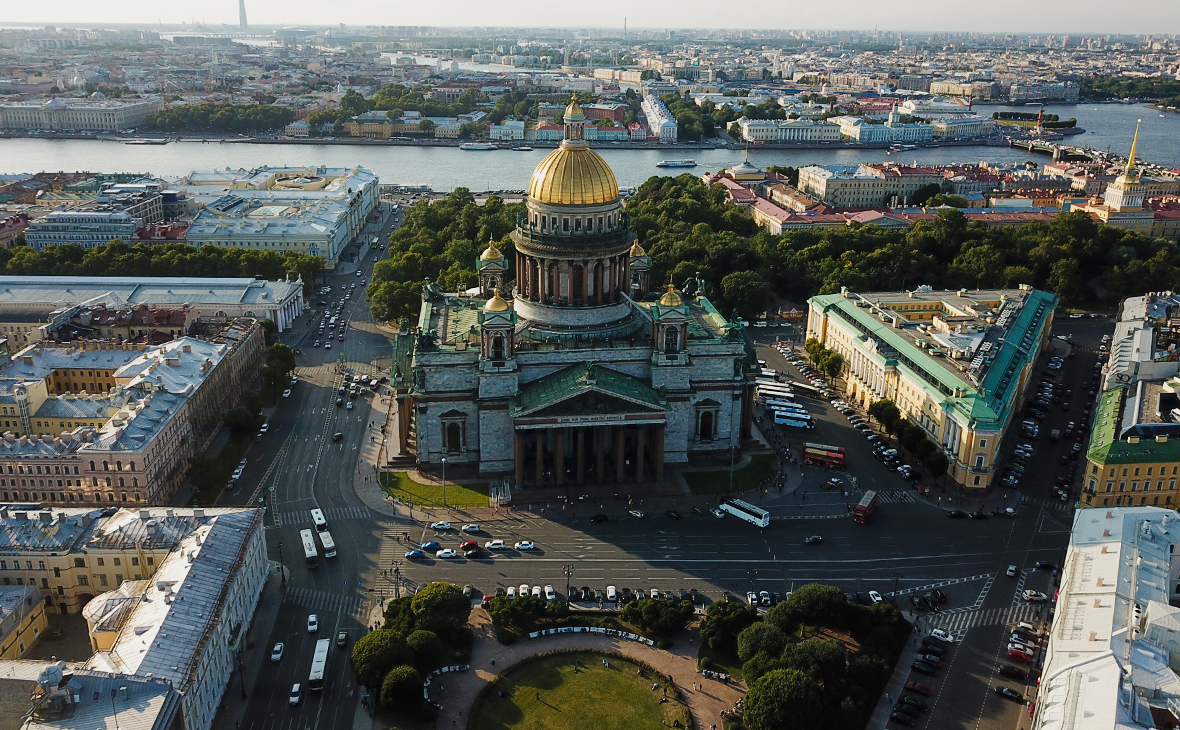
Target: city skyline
[(920, 16)]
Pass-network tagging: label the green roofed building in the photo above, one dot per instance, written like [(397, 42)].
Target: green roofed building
[(957, 363)]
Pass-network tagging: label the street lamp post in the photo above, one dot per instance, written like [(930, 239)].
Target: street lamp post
[(568, 570), (444, 481), (896, 577), (282, 568)]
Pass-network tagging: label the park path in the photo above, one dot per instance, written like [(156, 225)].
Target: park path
[(705, 703)]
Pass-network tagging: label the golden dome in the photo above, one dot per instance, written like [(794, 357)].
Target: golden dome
[(637, 250), (574, 109), (572, 175), (670, 297), (496, 303), (491, 252)]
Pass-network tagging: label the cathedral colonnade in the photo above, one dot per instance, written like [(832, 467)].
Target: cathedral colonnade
[(589, 454)]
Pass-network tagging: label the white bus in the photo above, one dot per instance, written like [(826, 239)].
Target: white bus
[(746, 511), (793, 420), (319, 664), (310, 554), (329, 544), (317, 518), (766, 394), (784, 405)]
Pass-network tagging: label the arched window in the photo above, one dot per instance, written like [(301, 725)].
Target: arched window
[(110, 496), (707, 426), (135, 482), (106, 466), (108, 481), (132, 464), (118, 466), (672, 339), (121, 484)]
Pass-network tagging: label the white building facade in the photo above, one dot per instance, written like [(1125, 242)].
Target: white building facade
[(99, 115)]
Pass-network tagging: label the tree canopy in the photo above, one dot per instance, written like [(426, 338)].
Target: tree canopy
[(376, 653), (441, 608), (784, 699), (219, 118)]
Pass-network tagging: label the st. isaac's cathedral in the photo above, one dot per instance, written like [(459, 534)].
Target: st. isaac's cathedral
[(570, 367)]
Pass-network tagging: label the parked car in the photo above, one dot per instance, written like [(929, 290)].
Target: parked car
[(919, 688), (1009, 694), (276, 653), (924, 668), (1008, 670)]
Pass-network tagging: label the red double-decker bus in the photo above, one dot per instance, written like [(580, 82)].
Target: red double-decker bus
[(865, 507), (829, 457)]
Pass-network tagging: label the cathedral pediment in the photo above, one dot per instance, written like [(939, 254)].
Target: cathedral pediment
[(586, 390), (593, 403)]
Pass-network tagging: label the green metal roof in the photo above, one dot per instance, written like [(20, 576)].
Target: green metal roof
[(580, 378), (1105, 446)]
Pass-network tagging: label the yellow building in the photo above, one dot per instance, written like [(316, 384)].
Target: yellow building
[(22, 619), (374, 125), (1122, 206), (955, 363), (1138, 465)]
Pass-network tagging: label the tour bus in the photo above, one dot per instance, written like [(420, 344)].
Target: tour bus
[(802, 415), (777, 404), (829, 457), (767, 392), (808, 390), (317, 518), (310, 554), (319, 664), (867, 504), (746, 511), (791, 420), (329, 544)]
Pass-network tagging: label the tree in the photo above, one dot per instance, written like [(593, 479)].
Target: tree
[(658, 616), (401, 690), (813, 603), (374, 654), (426, 126), (885, 411), (429, 651), (784, 699), (925, 193), (833, 364), (1065, 280), (472, 130), (521, 614), (762, 637), (399, 615), (748, 293), (280, 363), (241, 422), (441, 608), (936, 464), (724, 621)]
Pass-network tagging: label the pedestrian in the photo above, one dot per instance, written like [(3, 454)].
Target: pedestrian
[(538, 696), (694, 686)]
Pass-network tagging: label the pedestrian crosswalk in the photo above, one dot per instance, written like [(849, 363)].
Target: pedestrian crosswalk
[(325, 602), (958, 623), (1055, 505), (943, 584), (332, 514), (895, 497)]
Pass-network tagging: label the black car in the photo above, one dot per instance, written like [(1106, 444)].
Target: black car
[(902, 719), (938, 595), (674, 515), (684, 595), (813, 540), (1008, 670), (587, 594), (906, 709), (924, 668), (937, 651), (914, 702), (697, 511), (337, 436), (697, 598), (1044, 565), (956, 514), (928, 641), (599, 518), (1009, 693), (980, 515), (473, 553)]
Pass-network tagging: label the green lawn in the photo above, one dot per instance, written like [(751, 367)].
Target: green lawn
[(398, 484), (546, 694), (750, 476)]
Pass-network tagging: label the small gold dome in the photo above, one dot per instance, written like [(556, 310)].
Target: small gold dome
[(574, 109), (670, 297), (573, 176), (496, 303), (637, 250), (491, 252)]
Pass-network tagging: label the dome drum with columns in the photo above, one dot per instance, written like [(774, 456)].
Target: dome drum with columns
[(570, 367)]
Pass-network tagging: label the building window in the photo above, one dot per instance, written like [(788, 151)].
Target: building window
[(983, 443), (135, 561), (118, 579), (83, 580), (1123, 485), (102, 579), (151, 560), (118, 562), (101, 562), (79, 562)]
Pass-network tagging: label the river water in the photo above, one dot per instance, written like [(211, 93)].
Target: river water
[(1109, 127)]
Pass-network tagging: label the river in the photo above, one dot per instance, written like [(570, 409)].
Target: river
[(1109, 126)]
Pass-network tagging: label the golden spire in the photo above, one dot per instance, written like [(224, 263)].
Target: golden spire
[(671, 298), (496, 303), (1134, 144)]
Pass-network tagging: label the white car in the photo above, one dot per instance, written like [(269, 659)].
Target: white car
[(1011, 572), (549, 594), (265, 428), (636, 513), (296, 694), (511, 593), (943, 635), (612, 594), (525, 545), (716, 513), (446, 553), (495, 545), (472, 529), (875, 597), (536, 591), (655, 593), (523, 590), (313, 623), (440, 525), (1034, 596), (287, 393), (752, 597), (276, 653)]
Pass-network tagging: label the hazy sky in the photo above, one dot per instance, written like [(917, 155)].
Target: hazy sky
[(1054, 16)]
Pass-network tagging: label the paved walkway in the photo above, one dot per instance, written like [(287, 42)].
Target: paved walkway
[(705, 702)]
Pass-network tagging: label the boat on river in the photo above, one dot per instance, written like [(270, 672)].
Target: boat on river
[(477, 146), (676, 163)]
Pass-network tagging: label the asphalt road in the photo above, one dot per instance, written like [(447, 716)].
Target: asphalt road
[(909, 546)]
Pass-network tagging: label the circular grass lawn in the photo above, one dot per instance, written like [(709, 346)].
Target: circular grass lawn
[(545, 693)]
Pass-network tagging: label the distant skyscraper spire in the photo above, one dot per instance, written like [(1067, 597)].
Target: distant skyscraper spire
[(242, 13)]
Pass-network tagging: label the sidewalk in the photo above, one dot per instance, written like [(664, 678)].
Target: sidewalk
[(705, 703), (895, 686), (253, 654)]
